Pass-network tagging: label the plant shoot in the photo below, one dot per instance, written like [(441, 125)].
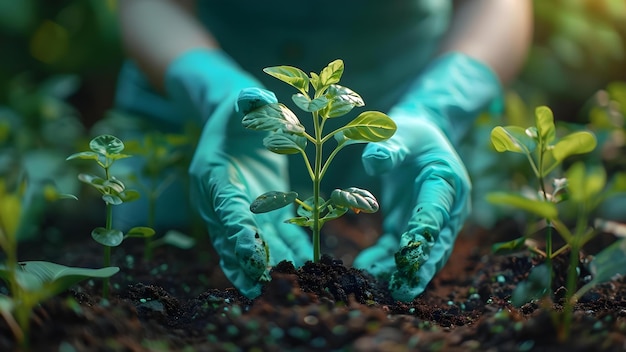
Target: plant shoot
[(287, 135)]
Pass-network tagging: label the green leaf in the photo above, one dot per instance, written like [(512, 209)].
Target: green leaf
[(272, 200), (114, 185), (129, 195), (544, 121), (370, 126), (178, 239), (307, 211), (575, 143), (305, 103), (512, 139), (285, 143), (316, 82), (546, 210), (611, 261), (534, 287), (106, 144), (109, 238), (332, 73), (293, 76), (359, 200), (84, 156), (119, 156), (342, 101), (584, 186), (91, 179), (605, 266), (507, 247), (273, 117), (112, 199), (140, 232), (334, 213), (51, 278)]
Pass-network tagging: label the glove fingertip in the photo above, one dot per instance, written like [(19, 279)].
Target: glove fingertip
[(378, 159), (253, 98), (404, 292), (251, 252)]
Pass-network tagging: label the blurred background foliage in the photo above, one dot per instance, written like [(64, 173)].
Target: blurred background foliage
[(40, 39), (579, 47), (59, 61)]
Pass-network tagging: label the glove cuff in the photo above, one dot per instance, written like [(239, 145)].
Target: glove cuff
[(201, 79), (452, 90)]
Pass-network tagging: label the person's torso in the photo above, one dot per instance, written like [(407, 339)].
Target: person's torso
[(384, 46)]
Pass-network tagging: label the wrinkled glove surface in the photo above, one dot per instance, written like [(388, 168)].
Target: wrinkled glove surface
[(426, 188), (231, 167)]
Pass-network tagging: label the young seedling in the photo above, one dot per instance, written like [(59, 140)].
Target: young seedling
[(287, 135), (105, 150), (544, 153), (31, 282), (582, 188), (164, 158)]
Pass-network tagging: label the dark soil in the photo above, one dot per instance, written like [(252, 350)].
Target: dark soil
[(180, 301)]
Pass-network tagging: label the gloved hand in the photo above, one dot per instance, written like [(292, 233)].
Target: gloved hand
[(231, 167), (426, 188)]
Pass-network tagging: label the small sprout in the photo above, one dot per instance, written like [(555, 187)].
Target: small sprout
[(105, 150), (288, 136), (165, 159), (585, 188)]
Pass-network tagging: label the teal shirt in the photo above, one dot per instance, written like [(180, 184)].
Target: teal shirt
[(384, 46), (383, 43)]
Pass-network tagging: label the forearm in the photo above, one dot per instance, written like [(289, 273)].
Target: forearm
[(495, 32), (155, 32)]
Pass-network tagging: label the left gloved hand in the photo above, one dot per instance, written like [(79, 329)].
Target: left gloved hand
[(426, 188)]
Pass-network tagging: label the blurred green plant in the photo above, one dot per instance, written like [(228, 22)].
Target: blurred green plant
[(30, 282), (37, 129), (105, 150), (166, 157), (607, 117), (58, 36), (578, 46), (585, 188)]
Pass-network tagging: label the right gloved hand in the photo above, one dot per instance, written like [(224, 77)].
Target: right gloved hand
[(231, 167)]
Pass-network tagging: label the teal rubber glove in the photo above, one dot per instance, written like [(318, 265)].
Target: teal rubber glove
[(426, 188), (231, 167)]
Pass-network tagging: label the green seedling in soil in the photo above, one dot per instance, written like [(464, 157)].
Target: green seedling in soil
[(544, 153), (584, 189), (105, 150), (31, 282), (164, 157), (287, 135)]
